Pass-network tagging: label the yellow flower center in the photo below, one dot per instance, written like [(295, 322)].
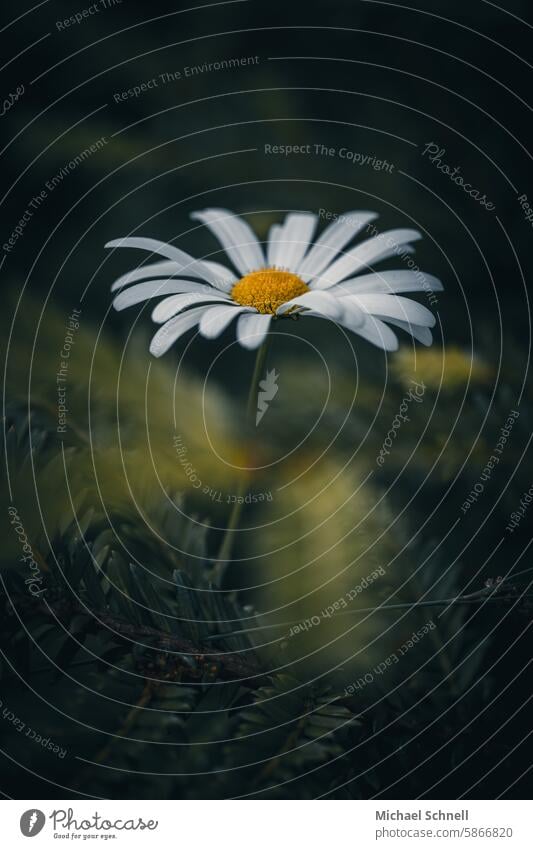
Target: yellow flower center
[(268, 289)]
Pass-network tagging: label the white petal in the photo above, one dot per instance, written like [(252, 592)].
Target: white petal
[(363, 255), (388, 281), (156, 288), (273, 244), (323, 302), (402, 252), (173, 329), (394, 306), (176, 303), (340, 310), (294, 238), (423, 334), (215, 320), (377, 332), (352, 315), (194, 267), (236, 237), (252, 329), (165, 268), (226, 277), (332, 240)]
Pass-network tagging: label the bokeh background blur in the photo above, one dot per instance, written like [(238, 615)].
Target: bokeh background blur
[(124, 121)]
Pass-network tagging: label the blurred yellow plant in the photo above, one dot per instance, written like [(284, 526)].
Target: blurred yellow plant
[(124, 415), (320, 539), (449, 368)]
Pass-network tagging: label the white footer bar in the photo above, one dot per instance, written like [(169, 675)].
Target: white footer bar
[(267, 824)]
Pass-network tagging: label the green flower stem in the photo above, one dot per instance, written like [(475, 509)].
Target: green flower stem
[(224, 553)]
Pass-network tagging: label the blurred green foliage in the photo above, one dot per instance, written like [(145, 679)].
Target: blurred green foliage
[(133, 653)]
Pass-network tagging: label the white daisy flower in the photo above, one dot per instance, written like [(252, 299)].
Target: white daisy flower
[(297, 276)]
